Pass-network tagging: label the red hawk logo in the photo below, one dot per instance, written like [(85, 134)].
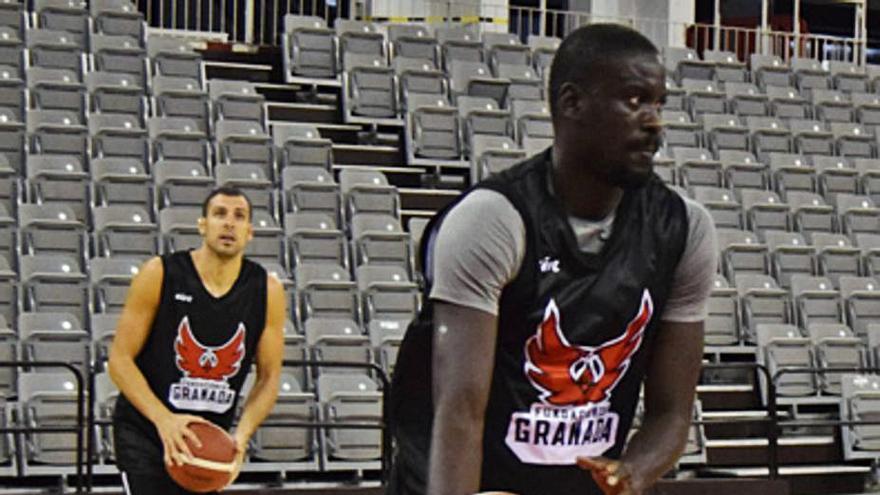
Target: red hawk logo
[(209, 363), (574, 375)]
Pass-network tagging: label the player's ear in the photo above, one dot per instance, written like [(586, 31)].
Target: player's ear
[(201, 225), (250, 232), (570, 102)]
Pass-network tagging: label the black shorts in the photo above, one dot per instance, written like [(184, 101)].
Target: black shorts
[(151, 484)]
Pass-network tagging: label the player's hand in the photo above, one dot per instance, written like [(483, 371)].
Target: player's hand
[(611, 475), (173, 431), (241, 445)]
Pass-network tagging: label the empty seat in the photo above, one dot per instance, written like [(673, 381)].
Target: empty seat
[(728, 68), (379, 239), (769, 135), (56, 89), (458, 43), (725, 131), (531, 120), (370, 89), (869, 176), (116, 93), (482, 116), (721, 326), (359, 37), (243, 142), (858, 214), (119, 136), (49, 400), (832, 106), (811, 137), (12, 92), (787, 103), (389, 299), (301, 145), (57, 132), (680, 130), (121, 181), (412, 41), (697, 167), (252, 180), (118, 17), (178, 228), (276, 442), (433, 128), (816, 300), (179, 138), (368, 191), (811, 213), (746, 99), (418, 76), (310, 189), (492, 154), (12, 53), (722, 206), (836, 255), (237, 100), (684, 63), (313, 238), (836, 175), (742, 170), (870, 246), (789, 255), (835, 347), (761, 301), (122, 55), (110, 279), (848, 76), (861, 299), (742, 252), (347, 399), (55, 49), (782, 346), (124, 232), (852, 140), (59, 179), (473, 78), (765, 211), (505, 49), (62, 15), (325, 291), (809, 74), (703, 97), (792, 172), (180, 183), (524, 83), (52, 229), (174, 57), (267, 245), (543, 50), (53, 283), (769, 70), (181, 97), (867, 108), (309, 48)]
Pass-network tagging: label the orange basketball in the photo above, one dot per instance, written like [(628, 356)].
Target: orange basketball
[(211, 466)]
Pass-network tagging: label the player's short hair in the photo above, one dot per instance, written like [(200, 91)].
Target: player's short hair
[(227, 191), (588, 50)]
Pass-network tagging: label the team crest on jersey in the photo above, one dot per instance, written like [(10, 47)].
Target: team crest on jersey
[(206, 370), (574, 384)]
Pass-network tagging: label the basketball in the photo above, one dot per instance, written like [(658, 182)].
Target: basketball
[(211, 466)]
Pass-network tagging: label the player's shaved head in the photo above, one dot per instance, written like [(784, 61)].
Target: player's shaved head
[(586, 53)]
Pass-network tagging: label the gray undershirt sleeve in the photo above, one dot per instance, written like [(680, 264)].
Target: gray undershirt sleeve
[(477, 251)]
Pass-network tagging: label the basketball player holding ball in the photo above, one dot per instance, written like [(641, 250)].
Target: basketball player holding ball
[(193, 323), (556, 288)]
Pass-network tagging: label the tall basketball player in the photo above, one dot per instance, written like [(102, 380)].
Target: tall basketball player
[(193, 323), (556, 288)]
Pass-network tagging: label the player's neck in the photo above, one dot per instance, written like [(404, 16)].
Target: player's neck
[(218, 274), (581, 194)]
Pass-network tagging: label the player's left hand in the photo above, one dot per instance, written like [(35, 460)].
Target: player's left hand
[(612, 476), (241, 445)]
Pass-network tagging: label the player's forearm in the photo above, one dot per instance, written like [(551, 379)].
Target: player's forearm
[(259, 404), (655, 448), (132, 384), (456, 453)]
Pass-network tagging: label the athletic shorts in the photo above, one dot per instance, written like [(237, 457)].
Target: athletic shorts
[(151, 484)]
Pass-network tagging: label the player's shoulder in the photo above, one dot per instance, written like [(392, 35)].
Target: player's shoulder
[(153, 267), (698, 216), (483, 204)]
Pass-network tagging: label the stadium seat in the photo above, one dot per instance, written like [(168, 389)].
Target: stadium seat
[(181, 97), (835, 347), (325, 290), (783, 346), (282, 443), (368, 191), (458, 44), (57, 132), (120, 55), (815, 300), (745, 99), (697, 167), (177, 226), (52, 229), (832, 106), (118, 18), (852, 140), (179, 138), (59, 179), (12, 91), (811, 137), (56, 89), (470, 78), (769, 70), (301, 145), (725, 132), (267, 245), (252, 180), (869, 177), (313, 238), (413, 42), (524, 83), (811, 213), (721, 327), (502, 49), (684, 63), (861, 299), (703, 97), (121, 181), (433, 128), (124, 231), (48, 399), (680, 130), (809, 74), (492, 154), (532, 121), (867, 108), (110, 280), (379, 239), (543, 50), (870, 246), (858, 214), (62, 15), (53, 283), (836, 255), (174, 57), (180, 183), (309, 48), (54, 49), (792, 172), (359, 38), (243, 142), (728, 68), (350, 398), (237, 100), (742, 170), (481, 116), (836, 175), (119, 136), (787, 103), (761, 301), (369, 87), (310, 189), (848, 77), (418, 76), (115, 93), (722, 206), (389, 299)]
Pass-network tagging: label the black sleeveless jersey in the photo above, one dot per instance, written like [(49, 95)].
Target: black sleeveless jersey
[(200, 347), (574, 333)]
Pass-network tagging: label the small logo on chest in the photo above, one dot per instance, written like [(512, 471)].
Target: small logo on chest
[(180, 296), (548, 264)]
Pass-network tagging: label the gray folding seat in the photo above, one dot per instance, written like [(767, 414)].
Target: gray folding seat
[(52, 229), (728, 68), (809, 74), (725, 131), (835, 347), (867, 108), (761, 301), (117, 17), (121, 181), (870, 246), (351, 399), (769, 70), (741, 252), (468, 78), (675, 96), (385, 340), (505, 49), (680, 130), (59, 179), (811, 213), (252, 180), (745, 99), (873, 74), (178, 228), (181, 97), (124, 232), (314, 238), (180, 183), (697, 167), (9, 248), (684, 63), (433, 128), (869, 176), (816, 300), (116, 93), (389, 299), (836, 175), (310, 189), (110, 279), (543, 50), (721, 326), (53, 283), (12, 53), (811, 137), (858, 214), (174, 57), (337, 339), (57, 132), (243, 142), (309, 47), (48, 399), (119, 136), (458, 44), (743, 171), (703, 97), (764, 210), (120, 54), (359, 37), (9, 294), (418, 76), (368, 191), (864, 409), (8, 375), (412, 41), (782, 346), (492, 154), (62, 15), (106, 395), (537, 144), (792, 172), (325, 290), (379, 239), (482, 116), (664, 166), (282, 443), (13, 142), (12, 91), (769, 135), (56, 89), (789, 255), (12, 15), (179, 138), (787, 103), (848, 77), (524, 83), (301, 145), (532, 120), (57, 50), (852, 140), (861, 299), (722, 206), (237, 100), (370, 90), (836, 255), (267, 245), (832, 106)]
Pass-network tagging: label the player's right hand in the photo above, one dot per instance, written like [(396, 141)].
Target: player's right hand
[(173, 431)]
